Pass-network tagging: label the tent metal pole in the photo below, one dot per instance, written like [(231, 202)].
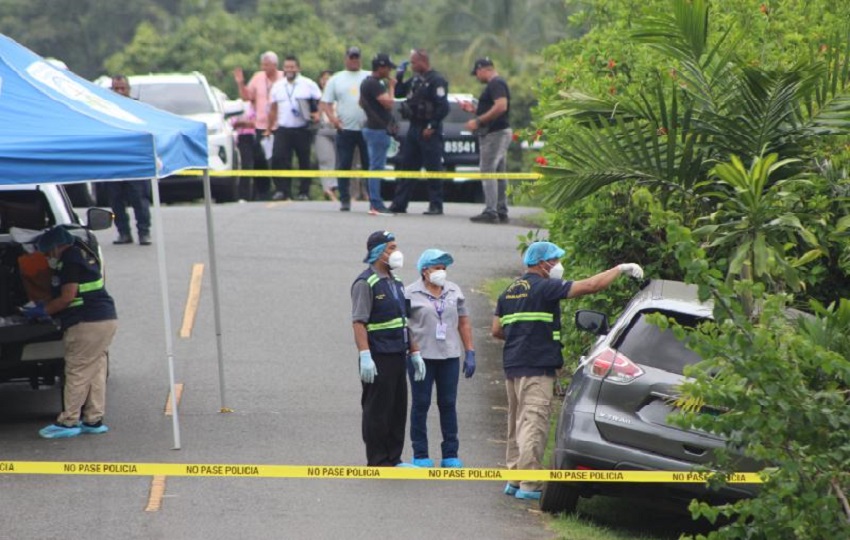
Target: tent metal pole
[(215, 293), (166, 313)]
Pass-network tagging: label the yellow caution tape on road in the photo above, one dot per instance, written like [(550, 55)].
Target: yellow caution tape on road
[(357, 473), (447, 175)]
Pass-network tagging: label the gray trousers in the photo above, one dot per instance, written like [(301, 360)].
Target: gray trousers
[(493, 150)]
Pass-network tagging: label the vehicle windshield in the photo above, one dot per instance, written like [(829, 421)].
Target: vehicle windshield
[(646, 344), (177, 98)]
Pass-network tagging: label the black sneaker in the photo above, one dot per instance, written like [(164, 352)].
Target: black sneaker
[(503, 218), (144, 239), (485, 217), (303, 197), (123, 239), (433, 212), (397, 210)]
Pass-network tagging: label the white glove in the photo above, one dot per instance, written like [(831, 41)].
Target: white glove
[(631, 269), (418, 366)]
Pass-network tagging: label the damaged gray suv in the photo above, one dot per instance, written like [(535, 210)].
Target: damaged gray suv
[(616, 409)]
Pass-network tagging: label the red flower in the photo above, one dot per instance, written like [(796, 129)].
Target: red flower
[(612, 64), (541, 160), (515, 137), (538, 134)]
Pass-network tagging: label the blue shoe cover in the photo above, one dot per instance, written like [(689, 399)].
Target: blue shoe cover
[(451, 463), (58, 431), (423, 462), (404, 465), (530, 495), (510, 490), (94, 429)]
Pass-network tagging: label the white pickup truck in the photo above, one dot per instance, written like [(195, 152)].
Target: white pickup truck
[(33, 351)]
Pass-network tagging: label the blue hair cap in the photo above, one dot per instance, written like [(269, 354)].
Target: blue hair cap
[(433, 257), (542, 251)]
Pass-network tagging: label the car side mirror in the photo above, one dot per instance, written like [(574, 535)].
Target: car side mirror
[(592, 321), (98, 219), (233, 107)]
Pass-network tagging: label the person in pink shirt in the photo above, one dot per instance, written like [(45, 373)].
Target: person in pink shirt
[(257, 92)]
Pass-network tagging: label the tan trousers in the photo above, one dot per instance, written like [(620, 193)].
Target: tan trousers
[(529, 408), (86, 344)]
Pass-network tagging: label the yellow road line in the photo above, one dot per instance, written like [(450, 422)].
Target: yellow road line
[(192, 300), (156, 494), (178, 390)]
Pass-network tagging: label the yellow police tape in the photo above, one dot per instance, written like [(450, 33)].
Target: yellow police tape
[(448, 175), (350, 472)]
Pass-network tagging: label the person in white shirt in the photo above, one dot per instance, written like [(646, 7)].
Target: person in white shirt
[(294, 106)]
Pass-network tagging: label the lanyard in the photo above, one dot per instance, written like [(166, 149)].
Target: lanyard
[(441, 308)]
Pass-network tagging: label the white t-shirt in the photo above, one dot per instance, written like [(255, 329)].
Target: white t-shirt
[(344, 90), (288, 96)]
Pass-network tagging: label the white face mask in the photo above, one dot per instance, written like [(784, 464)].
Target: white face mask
[(556, 272), (396, 260), (437, 277)]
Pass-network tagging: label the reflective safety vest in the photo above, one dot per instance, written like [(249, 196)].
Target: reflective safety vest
[(92, 302), (530, 314), (387, 324)]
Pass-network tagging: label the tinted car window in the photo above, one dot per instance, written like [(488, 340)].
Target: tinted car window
[(646, 344), (182, 99)]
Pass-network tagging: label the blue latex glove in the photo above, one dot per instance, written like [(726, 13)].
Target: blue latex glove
[(35, 311), (368, 369), (402, 67), (469, 364), (418, 366)]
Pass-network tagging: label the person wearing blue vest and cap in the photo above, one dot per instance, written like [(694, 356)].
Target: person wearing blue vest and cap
[(88, 319), (528, 319), (439, 322), (379, 316)]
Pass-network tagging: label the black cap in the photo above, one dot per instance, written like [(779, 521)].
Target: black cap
[(352, 51), (52, 238), (480, 63), (376, 239), (382, 60)]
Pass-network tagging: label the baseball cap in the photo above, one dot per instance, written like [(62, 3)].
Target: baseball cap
[(382, 60), (375, 240), (352, 51), (480, 63), (542, 251)]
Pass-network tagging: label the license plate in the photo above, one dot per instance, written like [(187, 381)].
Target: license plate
[(460, 147)]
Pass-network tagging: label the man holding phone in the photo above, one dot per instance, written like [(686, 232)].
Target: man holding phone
[(376, 100)]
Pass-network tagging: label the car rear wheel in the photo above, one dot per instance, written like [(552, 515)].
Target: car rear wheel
[(558, 497)]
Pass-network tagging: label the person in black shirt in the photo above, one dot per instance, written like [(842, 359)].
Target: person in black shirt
[(494, 137), (426, 106), (89, 322), (376, 100)]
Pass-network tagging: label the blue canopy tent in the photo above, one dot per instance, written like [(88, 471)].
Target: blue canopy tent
[(58, 127)]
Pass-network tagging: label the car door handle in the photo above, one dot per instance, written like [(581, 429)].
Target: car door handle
[(694, 450)]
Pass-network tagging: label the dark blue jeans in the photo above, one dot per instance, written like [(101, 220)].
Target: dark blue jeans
[(445, 373), (346, 141), (134, 193)]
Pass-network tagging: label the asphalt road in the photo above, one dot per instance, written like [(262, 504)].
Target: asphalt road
[(291, 377)]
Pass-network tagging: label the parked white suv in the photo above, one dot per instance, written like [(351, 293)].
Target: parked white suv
[(191, 96), (32, 351)]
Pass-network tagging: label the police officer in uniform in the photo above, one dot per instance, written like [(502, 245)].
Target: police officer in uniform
[(528, 319), (379, 317), (426, 106)]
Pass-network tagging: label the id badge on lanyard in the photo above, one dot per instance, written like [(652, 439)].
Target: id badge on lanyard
[(441, 326)]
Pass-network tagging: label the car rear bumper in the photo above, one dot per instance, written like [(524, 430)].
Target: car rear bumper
[(580, 444)]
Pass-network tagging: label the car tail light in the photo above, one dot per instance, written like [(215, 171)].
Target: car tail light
[(613, 366)]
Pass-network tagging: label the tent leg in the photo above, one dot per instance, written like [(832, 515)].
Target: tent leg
[(166, 313), (214, 279)]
